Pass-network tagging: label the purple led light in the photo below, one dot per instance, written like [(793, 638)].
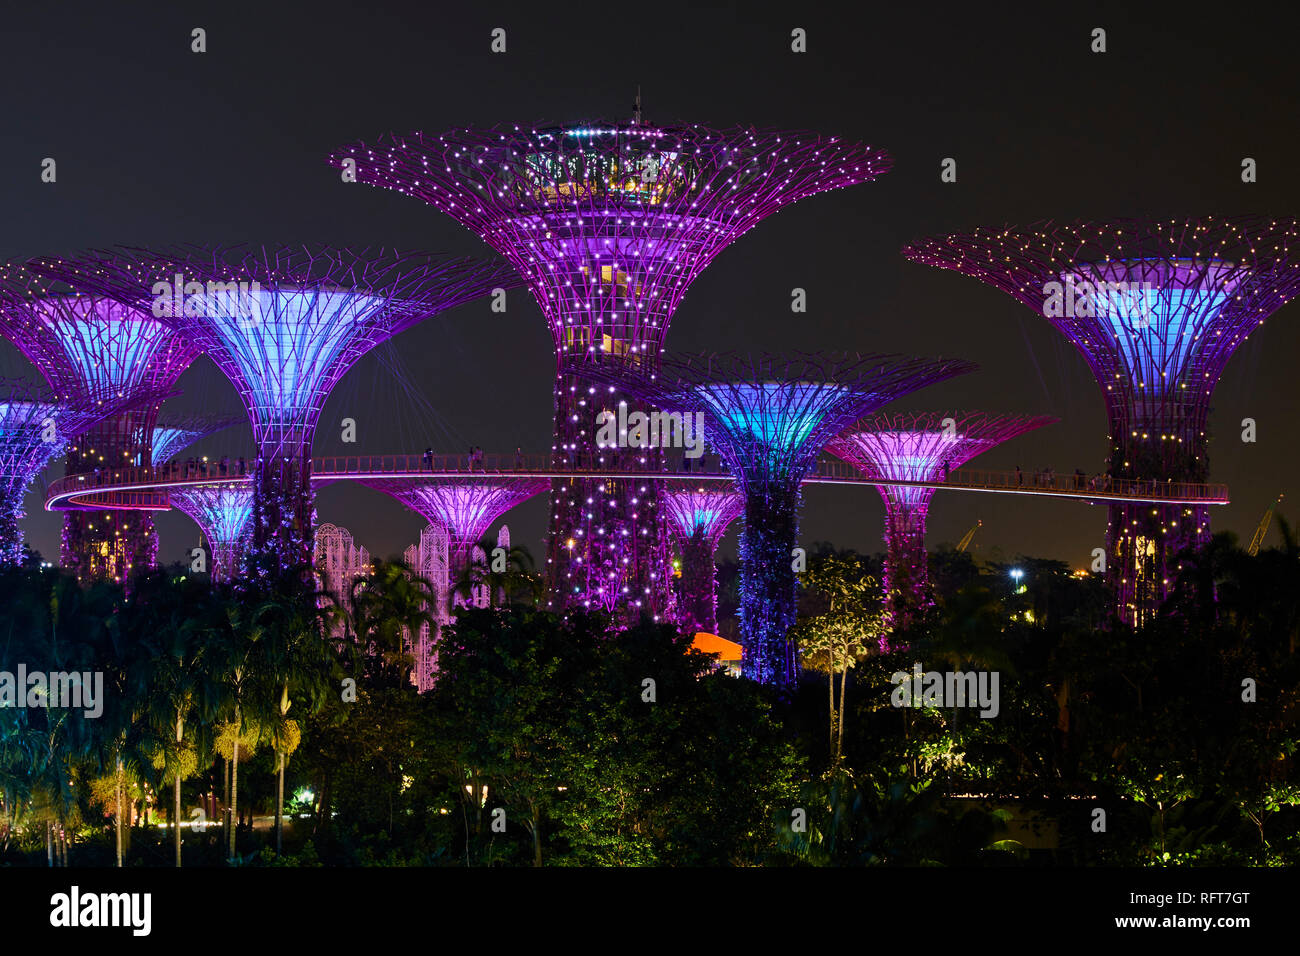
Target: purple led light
[(769, 416), (609, 223), (90, 345), (284, 324), (917, 447), (466, 507)]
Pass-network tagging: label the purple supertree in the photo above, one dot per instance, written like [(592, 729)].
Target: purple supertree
[(921, 447), (90, 345), (284, 323), (699, 518), (466, 507), (35, 428), (1157, 309), (224, 514), (609, 223), (769, 416)]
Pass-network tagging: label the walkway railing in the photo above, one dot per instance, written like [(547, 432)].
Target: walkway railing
[(145, 488)]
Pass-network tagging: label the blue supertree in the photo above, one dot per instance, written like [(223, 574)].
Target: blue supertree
[(769, 416), (85, 346), (284, 323)]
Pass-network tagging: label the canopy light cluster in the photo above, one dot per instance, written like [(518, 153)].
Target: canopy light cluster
[(919, 447), (700, 517), (465, 507), (608, 223), (1156, 307), (769, 416), (284, 323)]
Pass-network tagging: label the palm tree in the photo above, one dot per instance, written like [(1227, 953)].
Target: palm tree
[(175, 625), (292, 659), (504, 580), (391, 606)]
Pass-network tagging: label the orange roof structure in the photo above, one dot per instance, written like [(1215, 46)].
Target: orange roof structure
[(725, 650)]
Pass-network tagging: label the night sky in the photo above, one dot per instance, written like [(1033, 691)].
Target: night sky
[(155, 145)]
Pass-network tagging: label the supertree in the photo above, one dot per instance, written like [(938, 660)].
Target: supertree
[(87, 345), (1156, 308), (35, 428), (224, 514), (699, 518), (609, 222), (769, 416), (174, 434), (920, 447), (466, 507), (284, 323)]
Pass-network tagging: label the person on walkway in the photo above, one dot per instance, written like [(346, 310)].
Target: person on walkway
[(1020, 478)]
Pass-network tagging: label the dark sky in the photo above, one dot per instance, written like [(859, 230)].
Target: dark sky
[(156, 144)]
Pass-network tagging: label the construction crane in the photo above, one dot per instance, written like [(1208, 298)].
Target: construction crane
[(1262, 530), (964, 543)]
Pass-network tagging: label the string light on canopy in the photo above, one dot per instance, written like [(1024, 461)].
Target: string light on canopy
[(923, 447), (283, 323), (699, 517), (769, 416), (609, 222), (84, 346), (1156, 308)]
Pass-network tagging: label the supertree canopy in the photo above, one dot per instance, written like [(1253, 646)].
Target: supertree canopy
[(284, 323), (699, 518), (609, 222), (175, 434), (466, 507), (769, 417), (87, 345), (1157, 309), (35, 428), (224, 514), (920, 447)]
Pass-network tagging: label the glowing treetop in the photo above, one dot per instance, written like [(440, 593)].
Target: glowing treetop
[(466, 507), (1155, 307), (173, 436), (610, 221), (224, 513), (700, 517), (87, 344), (284, 323), (769, 417), (703, 512), (921, 447)]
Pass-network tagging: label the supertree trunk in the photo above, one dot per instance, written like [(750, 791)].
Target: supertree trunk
[(283, 510), (608, 542), (767, 584), (906, 574), (697, 608), (11, 535)]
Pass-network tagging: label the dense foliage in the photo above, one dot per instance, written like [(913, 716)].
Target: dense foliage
[(561, 741)]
